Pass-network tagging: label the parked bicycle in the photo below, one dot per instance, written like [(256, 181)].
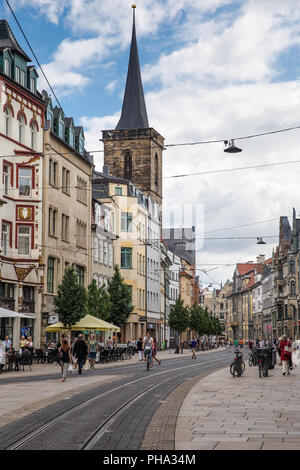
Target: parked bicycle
[(237, 367)]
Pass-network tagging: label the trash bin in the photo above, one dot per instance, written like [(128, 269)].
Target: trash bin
[(254, 356), (264, 355)]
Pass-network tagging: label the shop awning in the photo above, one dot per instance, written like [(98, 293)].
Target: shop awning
[(5, 313), (88, 323)]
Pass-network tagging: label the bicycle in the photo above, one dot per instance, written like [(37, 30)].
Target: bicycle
[(263, 367), (251, 359), (237, 367), (147, 354)]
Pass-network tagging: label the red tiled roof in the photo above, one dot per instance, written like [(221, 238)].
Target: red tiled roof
[(244, 268)]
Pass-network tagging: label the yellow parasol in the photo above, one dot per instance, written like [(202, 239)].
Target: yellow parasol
[(88, 323)]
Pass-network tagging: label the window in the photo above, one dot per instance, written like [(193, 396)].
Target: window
[(8, 115), (24, 235), (25, 181), (32, 85), (292, 266), (101, 251), (53, 172), (33, 129), (5, 238), (52, 221), (22, 78), (80, 274), (66, 181), (81, 190), (118, 191), (28, 293), (21, 122), (95, 249), (18, 74), (293, 287), (128, 166), (126, 258), (7, 67), (126, 222), (65, 227), (156, 171), (50, 275), (81, 233), (105, 253), (6, 178), (110, 255)]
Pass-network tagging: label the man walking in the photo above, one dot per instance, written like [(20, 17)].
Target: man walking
[(80, 352), (93, 349)]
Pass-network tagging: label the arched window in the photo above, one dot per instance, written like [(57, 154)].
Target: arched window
[(128, 166), (8, 115), (21, 122), (156, 171), (33, 129)]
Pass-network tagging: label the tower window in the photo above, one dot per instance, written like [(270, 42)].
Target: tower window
[(128, 166), (156, 171)]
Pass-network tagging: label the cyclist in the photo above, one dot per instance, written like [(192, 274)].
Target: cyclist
[(148, 345)]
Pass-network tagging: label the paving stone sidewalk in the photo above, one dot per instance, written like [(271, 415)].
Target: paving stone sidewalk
[(246, 413)]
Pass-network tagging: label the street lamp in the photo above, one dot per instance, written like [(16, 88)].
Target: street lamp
[(230, 147)]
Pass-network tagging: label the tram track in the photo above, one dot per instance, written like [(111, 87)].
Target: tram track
[(100, 430)]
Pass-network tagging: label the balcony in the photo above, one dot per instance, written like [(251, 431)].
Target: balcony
[(9, 304), (27, 306)]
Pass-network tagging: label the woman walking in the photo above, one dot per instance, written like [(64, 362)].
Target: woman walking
[(65, 357), (286, 352), (154, 352)]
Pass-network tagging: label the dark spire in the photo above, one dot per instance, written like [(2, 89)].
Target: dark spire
[(134, 113)]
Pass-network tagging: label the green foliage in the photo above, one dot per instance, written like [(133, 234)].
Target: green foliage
[(98, 301), (202, 321), (121, 299), (179, 316), (70, 302)]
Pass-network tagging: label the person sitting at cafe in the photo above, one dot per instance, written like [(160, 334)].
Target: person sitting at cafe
[(22, 344), (7, 344), (29, 345)]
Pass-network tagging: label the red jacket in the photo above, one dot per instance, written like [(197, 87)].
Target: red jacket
[(285, 355)]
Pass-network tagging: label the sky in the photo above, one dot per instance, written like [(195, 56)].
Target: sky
[(211, 69)]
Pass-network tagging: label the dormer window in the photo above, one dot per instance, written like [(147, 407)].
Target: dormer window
[(22, 78), (7, 67), (61, 130), (18, 74), (32, 85)]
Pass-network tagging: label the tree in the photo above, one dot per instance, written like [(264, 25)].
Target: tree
[(197, 319), (121, 299), (179, 316), (98, 301), (70, 302)]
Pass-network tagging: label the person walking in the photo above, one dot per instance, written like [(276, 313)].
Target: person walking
[(74, 359), (286, 352), (193, 346), (80, 352), (65, 358), (140, 349), (93, 349), (154, 352)]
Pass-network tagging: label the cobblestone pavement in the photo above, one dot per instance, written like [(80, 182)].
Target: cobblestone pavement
[(243, 413)]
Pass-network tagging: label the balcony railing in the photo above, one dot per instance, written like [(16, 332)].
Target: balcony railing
[(9, 304), (27, 306)]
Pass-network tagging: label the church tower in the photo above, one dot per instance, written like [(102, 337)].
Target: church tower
[(134, 149)]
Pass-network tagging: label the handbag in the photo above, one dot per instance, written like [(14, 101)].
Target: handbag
[(70, 368)]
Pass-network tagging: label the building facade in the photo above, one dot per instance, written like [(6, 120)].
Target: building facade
[(21, 145), (67, 208)]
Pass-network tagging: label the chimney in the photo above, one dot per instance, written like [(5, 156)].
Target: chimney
[(260, 259)]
